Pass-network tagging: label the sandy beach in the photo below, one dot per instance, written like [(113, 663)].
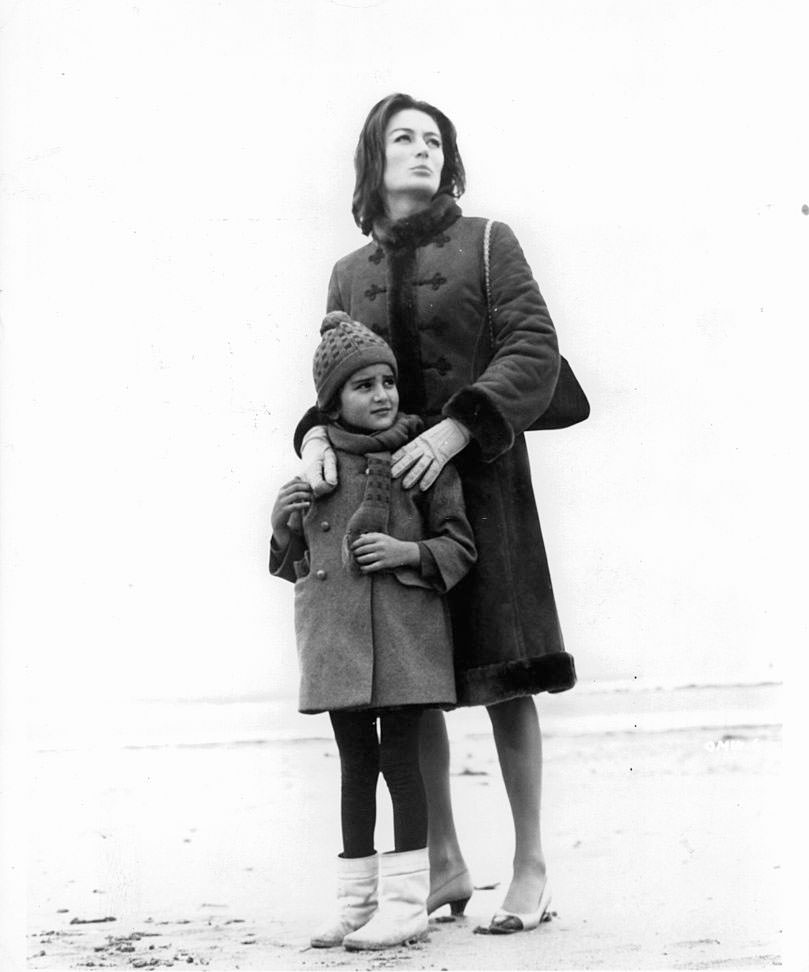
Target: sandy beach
[(659, 831)]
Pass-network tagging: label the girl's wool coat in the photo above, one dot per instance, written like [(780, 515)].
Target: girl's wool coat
[(382, 639), (420, 284)]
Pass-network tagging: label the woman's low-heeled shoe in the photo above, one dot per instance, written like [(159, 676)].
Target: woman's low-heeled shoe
[(455, 891), (507, 922)]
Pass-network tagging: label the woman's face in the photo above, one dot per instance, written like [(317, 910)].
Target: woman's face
[(414, 156)]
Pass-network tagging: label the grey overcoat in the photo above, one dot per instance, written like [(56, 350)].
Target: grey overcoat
[(384, 639)]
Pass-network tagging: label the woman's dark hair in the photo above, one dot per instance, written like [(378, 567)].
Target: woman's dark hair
[(369, 161)]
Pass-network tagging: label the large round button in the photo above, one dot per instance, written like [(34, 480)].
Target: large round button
[(320, 574), (325, 525)]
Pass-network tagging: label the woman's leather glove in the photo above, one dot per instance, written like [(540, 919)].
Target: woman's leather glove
[(318, 461), (427, 454)]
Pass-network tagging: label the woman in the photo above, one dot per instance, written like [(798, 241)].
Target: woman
[(477, 384)]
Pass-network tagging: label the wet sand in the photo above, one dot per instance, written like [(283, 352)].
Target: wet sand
[(661, 847)]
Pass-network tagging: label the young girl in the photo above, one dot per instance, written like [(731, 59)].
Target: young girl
[(371, 563)]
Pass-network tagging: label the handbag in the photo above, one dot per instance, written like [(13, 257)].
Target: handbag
[(569, 404)]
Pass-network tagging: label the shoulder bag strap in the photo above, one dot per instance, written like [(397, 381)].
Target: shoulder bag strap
[(487, 233)]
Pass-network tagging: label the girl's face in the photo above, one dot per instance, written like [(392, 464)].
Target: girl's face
[(370, 399), (414, 156)]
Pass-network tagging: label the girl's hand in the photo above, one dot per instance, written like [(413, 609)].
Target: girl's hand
[(378, 551), (293, 500), (318, 461), (429, 452)]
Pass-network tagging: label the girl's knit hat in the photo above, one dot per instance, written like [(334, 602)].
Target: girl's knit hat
[(345, 347)]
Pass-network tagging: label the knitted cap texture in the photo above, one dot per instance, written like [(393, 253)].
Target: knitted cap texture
[(345, 347)]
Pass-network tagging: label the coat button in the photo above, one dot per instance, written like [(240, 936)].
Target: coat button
[(320, 574), (325, 525)]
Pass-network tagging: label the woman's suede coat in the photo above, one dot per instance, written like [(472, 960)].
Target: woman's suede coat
[(383, 639), (420, 284)]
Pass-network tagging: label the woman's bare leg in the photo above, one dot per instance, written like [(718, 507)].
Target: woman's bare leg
[(446, 859), (519, 749)]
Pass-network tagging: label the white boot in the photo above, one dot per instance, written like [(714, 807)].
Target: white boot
[(357, 879), (404, 884)]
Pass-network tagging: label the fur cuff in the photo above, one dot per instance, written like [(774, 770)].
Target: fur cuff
[(527, 676), (481, 416)]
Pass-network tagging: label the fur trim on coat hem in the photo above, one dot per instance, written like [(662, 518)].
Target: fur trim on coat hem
[(528, 676), (484, 420)]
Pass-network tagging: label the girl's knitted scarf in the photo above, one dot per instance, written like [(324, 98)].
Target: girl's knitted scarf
[(373, 513), (405, 428)]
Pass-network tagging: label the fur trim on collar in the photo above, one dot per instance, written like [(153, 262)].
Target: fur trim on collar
[(419, 228)]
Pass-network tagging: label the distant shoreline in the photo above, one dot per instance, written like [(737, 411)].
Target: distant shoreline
[(589, 687), (597, 709)]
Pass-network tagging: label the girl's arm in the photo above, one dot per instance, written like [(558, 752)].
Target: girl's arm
[(448, 552), (286, 562), (378, 551), (287, 545), (437, 562)]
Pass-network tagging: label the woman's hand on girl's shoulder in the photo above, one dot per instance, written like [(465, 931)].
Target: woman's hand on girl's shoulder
[(318, 461), (424, 457)]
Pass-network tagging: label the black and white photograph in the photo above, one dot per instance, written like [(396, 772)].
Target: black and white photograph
[(401, 484)]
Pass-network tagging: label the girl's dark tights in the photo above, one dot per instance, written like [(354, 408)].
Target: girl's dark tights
[(363, 755)]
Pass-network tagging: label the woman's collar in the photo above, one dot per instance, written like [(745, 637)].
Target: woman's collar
[(420, 227)]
